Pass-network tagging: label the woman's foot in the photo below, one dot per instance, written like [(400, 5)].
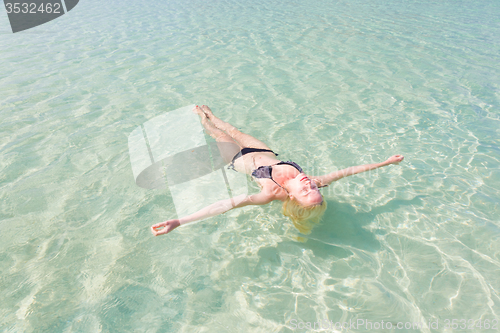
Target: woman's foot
[(199, 111), (207, 111)]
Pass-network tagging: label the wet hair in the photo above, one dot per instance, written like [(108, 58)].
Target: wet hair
[(303, 218)]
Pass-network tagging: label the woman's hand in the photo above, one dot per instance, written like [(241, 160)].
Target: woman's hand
[(394, 159), (164, 227)]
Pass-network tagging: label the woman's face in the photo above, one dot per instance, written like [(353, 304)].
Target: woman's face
[(304, 190)]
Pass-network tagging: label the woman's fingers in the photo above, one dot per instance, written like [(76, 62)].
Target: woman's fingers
[(397, 158), (153, 231), (164, 227), (161, 224), (161, 232), (156, 232)]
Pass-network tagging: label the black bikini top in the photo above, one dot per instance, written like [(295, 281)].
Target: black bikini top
[(266, 171)]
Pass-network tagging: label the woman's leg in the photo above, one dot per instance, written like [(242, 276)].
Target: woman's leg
[(214, 132), (244, 140), (228, 151)]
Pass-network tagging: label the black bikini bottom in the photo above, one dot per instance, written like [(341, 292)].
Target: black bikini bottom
[(245, 151)]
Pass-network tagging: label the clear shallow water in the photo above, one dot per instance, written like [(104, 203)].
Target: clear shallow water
[(327, 84)]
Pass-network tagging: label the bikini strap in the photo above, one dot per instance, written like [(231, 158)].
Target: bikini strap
[(295, 165)]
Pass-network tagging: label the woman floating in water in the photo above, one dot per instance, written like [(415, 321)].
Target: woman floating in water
[(284, 181)]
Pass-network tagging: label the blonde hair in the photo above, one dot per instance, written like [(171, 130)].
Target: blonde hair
[(303, 218)]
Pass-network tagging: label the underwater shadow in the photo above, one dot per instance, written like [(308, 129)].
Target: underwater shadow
[(342, 225)]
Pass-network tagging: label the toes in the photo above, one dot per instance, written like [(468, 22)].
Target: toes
[(197, 110), (206, 109)]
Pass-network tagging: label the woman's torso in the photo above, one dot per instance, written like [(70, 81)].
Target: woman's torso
[(252, 161)]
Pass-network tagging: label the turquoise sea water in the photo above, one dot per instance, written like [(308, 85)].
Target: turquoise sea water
[(328, 84)]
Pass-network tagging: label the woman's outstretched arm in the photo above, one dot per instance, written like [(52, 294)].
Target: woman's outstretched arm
[(216, 208), (336, 175)]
